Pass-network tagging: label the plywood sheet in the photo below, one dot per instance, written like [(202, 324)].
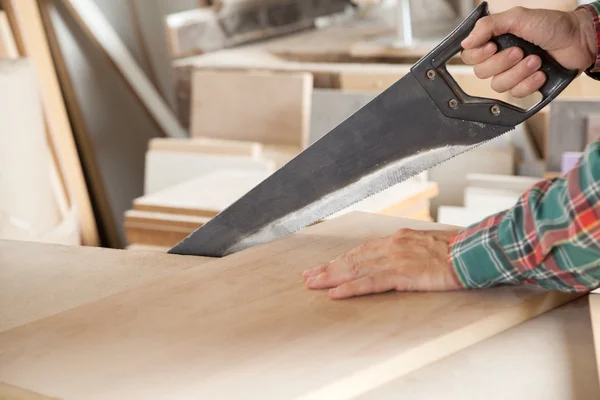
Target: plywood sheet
[(451, 175), (233, 327), (207, 146), (38, 280), (8, 46), (26, 188), (272, 108), (595, 316), (549, 357), (165, 169), (204, 196), (32, 43)]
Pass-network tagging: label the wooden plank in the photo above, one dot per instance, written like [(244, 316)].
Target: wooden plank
[(594, 301), (495, 200), (462, 216), (165, 169), (451, 175), (207, 146), (272, 108), (40, 280), (395, 198), (237, 324), (556, 350), (205, 196), (9, 392), (496, 181), (497, 6), (31, 40), (28, 193), (231, 24), (8, 46), (97, 29)]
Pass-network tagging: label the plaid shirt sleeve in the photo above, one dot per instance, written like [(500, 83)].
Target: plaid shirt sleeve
[(550, 238)]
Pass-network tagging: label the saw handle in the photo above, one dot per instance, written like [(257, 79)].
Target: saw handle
[(455, 103)]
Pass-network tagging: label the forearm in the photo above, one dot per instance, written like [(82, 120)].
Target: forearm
[(551, 237)]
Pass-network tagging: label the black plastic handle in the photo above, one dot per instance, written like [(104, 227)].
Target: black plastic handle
[(431, 72)]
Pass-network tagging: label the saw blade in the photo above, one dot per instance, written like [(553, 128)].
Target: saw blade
[(397, 135)]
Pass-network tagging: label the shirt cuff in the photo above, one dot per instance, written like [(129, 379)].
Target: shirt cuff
[(478, 260), (594, 9)]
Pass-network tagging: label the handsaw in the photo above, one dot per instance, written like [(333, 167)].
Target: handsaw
[(422, 120)]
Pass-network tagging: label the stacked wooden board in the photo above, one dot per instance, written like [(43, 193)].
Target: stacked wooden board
[(233, 326), (165, 217), (485, 195)]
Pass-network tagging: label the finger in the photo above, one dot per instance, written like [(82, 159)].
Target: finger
[(511, 78), (376, 283), (499, 63), (529, 85), (479, 54), (495, 25), (338, 273), (314, 271)]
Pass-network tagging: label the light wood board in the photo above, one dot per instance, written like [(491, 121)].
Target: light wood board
[(594, 300), (165, 169), (451, 175), (110, 124), (233, 327), (207, 146), (27, 27), (26, 188), (98, 30), (205, 196), (8, 46), (271, 108), (38, 280)]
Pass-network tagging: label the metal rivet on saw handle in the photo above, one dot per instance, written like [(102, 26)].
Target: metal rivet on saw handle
[(431, 74), (453, 103), (495, 110)]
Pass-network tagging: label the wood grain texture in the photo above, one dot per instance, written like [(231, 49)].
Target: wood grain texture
[(28, 29), (594, 301), (271, 108), (99, 31), (233, 327), (38, 280)]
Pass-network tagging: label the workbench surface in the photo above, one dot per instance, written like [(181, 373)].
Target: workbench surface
[(549, 357)]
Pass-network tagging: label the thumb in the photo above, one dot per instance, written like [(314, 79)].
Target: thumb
[(496, 25)]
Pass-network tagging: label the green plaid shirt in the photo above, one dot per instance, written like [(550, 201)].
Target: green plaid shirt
[(550, 238)]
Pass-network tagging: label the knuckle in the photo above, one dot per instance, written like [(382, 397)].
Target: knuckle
[(355, 270), (348, 259)]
